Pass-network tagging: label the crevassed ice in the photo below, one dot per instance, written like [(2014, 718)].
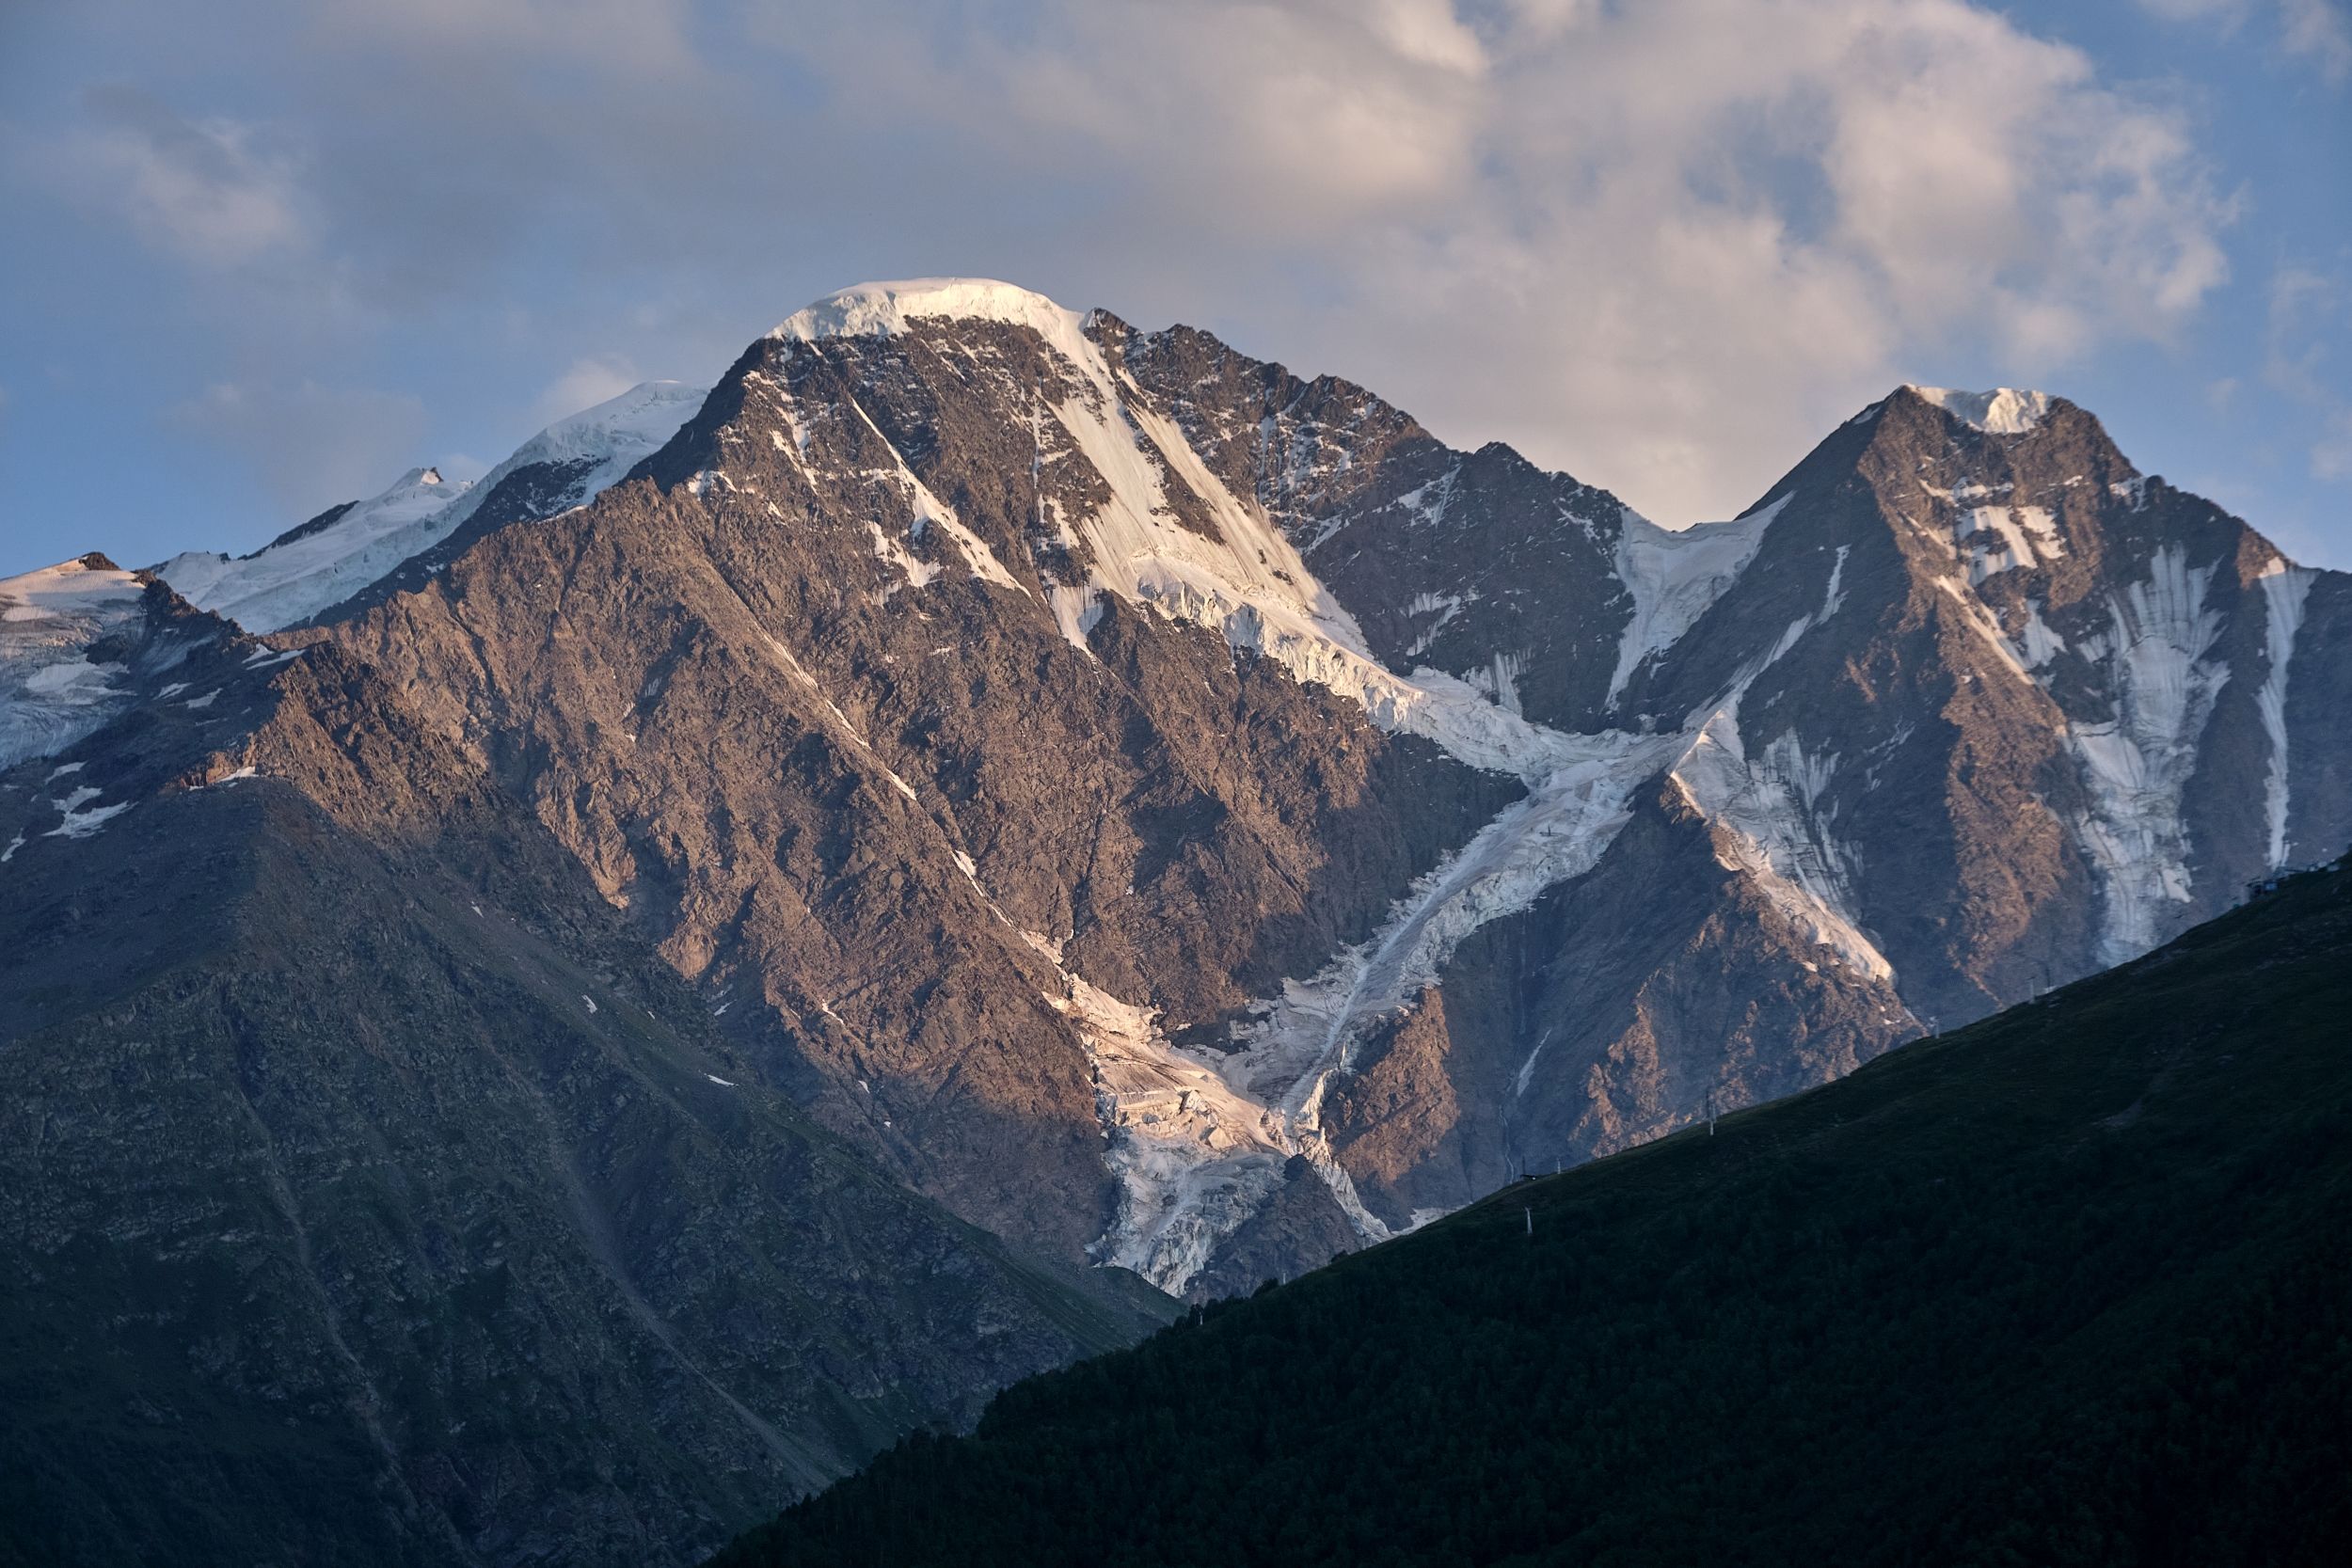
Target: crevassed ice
[(1193, 1158), (1677, 575), (52, 693), (2285, 586), (1296, 1043), (1773, 826), (2138, 762), (2003, 411)]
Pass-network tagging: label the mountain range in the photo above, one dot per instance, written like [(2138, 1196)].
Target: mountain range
[(1086, 805)]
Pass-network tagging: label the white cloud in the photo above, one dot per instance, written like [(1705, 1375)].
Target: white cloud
[(640, 37), (2228, 13), (210, 190), (311, 445), (1273, 118), (2302, 307), (585, 384), (2321, 29), (2304, 327), (1663, 245), (2331, 454)]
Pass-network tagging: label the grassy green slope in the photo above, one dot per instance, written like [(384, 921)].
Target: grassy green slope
[(2073, 1286)]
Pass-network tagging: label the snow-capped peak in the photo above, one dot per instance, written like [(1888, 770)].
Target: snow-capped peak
[(295, 579), (2002, 411), (52, 689), (616, 434), (886, 309), (644, 416), (70, 587)]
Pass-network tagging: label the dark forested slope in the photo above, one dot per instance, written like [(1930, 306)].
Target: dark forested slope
[(2072, 1286)]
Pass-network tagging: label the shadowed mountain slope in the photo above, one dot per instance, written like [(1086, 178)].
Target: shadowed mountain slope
[(2068, 1287), (374, 1196)]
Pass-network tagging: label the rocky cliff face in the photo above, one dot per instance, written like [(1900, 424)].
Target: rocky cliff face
[(1100, 771), (374, 1194), (955, 840)]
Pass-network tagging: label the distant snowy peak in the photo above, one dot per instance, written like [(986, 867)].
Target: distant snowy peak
[(75, 643), (608, 440), (2003, 411), (289, 581), (639, 421), (92, 585), (891, 310), (310, 570)]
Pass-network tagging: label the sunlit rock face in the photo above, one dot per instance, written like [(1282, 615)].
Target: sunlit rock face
[(1112, 779)]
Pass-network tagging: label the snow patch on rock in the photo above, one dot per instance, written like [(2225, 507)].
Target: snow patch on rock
[(1996, 539), (1677, 575), (924, 509), (80, 817), (1771, 823), (2135, 764), (2285, 586), (2003, 411), (52, 692)]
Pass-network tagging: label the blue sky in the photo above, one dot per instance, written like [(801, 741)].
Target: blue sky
[(262, 256)]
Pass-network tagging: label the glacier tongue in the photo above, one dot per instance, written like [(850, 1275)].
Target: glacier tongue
[(2284, 589), (1676, 577), (2136, 763), (1199, 1142), (1194, 1158), (1557, 832)]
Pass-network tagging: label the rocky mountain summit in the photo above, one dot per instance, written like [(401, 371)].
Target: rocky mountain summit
[(1162, 812), (1278, 794)]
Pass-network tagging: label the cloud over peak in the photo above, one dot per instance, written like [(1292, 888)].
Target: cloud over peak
[(1662, 245)]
